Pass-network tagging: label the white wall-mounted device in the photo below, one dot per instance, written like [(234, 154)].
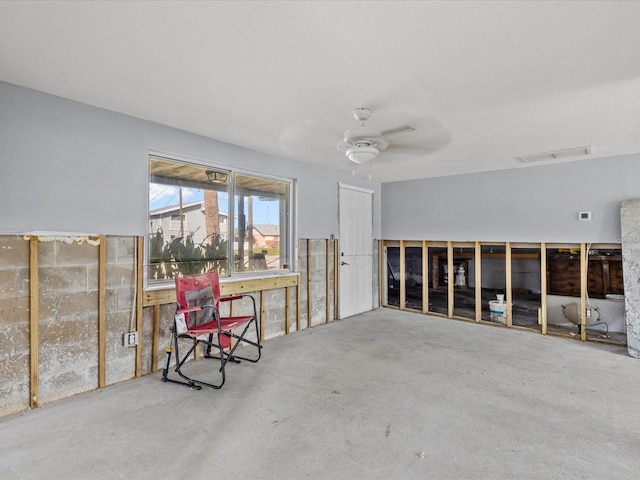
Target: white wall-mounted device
[(584, 216)]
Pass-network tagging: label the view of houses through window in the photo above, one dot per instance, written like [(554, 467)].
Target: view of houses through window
[(194, 228)]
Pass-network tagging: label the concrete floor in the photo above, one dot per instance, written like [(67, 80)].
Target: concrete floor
[(383, 395)]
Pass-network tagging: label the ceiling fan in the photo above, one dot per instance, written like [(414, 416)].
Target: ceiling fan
[(363, 144)]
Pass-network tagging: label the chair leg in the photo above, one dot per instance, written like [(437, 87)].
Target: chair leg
[(241, 339), (190, 382)]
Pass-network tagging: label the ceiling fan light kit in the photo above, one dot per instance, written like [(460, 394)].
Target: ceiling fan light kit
[(362, 153)]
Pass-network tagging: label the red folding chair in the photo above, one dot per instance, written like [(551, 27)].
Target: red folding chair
[(198, 321)]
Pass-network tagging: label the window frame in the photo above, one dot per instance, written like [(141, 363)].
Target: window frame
[(289, 222)]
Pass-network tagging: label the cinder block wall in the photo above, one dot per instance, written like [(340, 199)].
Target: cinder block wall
[(317, 273), (68, 318), (14, 324), (120, 304), (67, 307), (68, 313)]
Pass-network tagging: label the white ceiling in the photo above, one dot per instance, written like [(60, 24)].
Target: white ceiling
[(502, 79)]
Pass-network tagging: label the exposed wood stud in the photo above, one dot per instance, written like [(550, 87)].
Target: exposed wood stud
[(583, 292), (326, 281), (543, 287), (449, 279), (33, 322), (335, 278), (298, 293), (155, 339), (425, 276), (380, 272), (477, 260), (403, 293), (139, 294), (308, 283), (508, 283), (262, 316), (287, 310), (298, 307), (102, 312)]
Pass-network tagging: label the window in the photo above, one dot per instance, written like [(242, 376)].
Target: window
[(195, 228)]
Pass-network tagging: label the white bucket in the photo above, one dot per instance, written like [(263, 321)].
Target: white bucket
[(498, 311)]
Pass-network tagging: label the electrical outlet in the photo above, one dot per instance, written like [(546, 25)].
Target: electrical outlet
[(130, 339)]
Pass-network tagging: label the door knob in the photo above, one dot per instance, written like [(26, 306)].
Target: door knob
[(344, 263)]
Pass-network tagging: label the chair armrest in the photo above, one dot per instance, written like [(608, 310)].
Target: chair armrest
[(232, 297)]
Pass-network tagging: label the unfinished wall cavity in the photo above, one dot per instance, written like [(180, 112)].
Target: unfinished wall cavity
[(67, 318), (317, 277), (120, 306), (63, 357), (67, 337)]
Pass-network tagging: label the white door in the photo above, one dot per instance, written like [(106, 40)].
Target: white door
[(355, 262)]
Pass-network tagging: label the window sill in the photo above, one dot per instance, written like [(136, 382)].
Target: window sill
[(163, 294)]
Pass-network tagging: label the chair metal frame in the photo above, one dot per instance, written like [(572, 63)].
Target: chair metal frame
[(216, 332)]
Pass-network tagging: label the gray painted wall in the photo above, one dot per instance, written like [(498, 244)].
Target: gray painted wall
[(529, 204), (70, 167)]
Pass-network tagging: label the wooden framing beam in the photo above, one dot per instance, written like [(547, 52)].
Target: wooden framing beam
[(425, 276), (543, 288), (508, 284), (478, 280), (298, 294), (33, 322), (262, 315), (403, 282), (326, 281), (102, 312), (511, 252), (155, 339), (287, 310), (381, 283), (139, 297), (308, 283), (231, 287), (450, 276), (583, 292), (335, 279)]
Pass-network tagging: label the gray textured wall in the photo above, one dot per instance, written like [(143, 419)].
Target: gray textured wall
[(530, 204), (70, 167)]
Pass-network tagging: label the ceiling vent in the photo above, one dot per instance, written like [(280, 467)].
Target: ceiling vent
[(556, 155)]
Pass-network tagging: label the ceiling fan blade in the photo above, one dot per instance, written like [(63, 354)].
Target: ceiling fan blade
[(429, 135), (407, 150)]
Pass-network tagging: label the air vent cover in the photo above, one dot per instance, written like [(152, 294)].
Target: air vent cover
[(556, 155)]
